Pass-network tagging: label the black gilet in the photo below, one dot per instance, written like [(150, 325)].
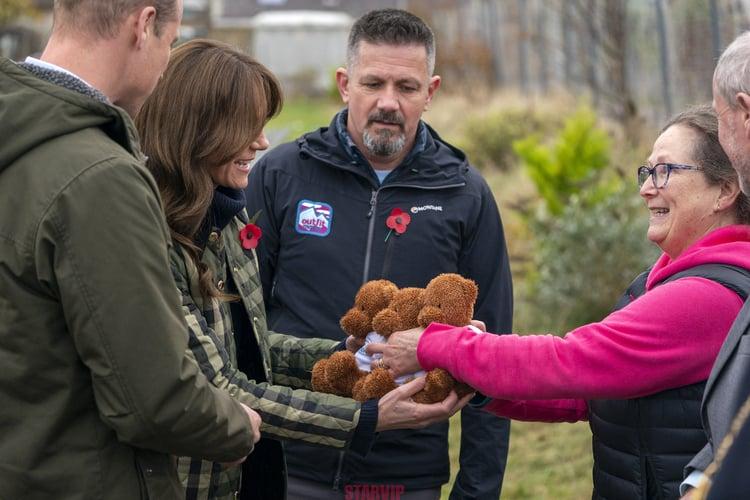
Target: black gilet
[(641, 445)]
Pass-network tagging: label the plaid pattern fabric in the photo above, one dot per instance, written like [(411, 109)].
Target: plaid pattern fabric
[(289, 410)]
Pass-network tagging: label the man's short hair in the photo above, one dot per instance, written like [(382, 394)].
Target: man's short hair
[(391, 27), (732, 73), (103, 17)]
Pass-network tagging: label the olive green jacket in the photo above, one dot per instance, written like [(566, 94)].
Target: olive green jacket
[(96, 390)]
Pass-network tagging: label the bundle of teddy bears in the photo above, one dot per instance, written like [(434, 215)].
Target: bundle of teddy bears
[(381, 308)]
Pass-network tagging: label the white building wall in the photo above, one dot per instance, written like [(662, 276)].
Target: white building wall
[(297, 45)]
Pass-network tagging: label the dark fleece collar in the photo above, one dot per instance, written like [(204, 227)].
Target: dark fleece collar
[(226, 204)]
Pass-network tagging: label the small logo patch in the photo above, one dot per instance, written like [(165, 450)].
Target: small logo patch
[(416, 210), (314, 218)]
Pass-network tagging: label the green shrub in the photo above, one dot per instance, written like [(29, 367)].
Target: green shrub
[(588, 229), (488, 138), (571, 165), (583, 261)]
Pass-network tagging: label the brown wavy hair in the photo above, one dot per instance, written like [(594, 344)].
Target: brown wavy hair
[(211, 103)]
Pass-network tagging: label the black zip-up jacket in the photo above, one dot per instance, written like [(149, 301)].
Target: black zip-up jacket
[(323, 216)]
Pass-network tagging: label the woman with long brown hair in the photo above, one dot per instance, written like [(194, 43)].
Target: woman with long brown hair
[(200, 129)]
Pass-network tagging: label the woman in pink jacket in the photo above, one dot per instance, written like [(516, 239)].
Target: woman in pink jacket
[(638, 374)]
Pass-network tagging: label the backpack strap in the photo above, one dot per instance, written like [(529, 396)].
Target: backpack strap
[(636, 288), (732, 277), (735, 278)]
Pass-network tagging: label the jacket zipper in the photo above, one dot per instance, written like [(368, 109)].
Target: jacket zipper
[(368, 255), (370, 233), (337, 478)]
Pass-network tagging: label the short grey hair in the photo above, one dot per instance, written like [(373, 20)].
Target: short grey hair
[(390, 27), (732, 73)]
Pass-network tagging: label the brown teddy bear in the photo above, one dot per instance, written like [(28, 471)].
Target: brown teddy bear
[(338, 373), (448, 298), (401, 314)]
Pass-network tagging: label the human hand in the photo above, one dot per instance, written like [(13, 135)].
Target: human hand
[(688, 494), (477, 323), (353, 344), (400, 353), (396, 410), (255, 422)]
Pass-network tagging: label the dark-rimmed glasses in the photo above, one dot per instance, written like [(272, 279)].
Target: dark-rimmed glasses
[(659, 173)]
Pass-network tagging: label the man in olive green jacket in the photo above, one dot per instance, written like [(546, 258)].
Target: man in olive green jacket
[(96, 389)]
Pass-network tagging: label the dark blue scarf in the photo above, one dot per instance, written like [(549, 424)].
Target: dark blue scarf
[(226, 204)]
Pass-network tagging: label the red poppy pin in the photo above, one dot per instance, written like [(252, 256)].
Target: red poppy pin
[(250, 234), (397, 221)]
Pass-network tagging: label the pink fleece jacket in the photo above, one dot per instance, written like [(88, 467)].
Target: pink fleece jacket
[(669, 337)]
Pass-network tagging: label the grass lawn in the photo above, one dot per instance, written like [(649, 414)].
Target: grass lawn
[(545, 462), (299, 116)]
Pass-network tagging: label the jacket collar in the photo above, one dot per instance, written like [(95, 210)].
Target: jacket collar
[(63, 78), (356, 155), (432, 163)]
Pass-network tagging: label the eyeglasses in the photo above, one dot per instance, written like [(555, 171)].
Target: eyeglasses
[(659, 173)]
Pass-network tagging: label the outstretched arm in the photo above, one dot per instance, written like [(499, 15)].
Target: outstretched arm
[(631, 353)]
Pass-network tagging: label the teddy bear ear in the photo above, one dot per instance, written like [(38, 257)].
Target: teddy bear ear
[(471, 289)]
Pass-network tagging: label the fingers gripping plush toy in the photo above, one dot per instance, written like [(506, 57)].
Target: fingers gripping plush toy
[(448, 298)]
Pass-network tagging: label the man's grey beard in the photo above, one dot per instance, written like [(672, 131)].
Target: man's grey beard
[(384, 143)]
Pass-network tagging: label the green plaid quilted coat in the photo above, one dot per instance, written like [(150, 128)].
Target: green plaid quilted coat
[(289, 409)]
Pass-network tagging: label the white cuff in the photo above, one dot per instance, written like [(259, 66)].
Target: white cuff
[(691, 481)]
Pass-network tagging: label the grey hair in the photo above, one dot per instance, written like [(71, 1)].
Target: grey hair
[(732, 73), (390, 27)]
